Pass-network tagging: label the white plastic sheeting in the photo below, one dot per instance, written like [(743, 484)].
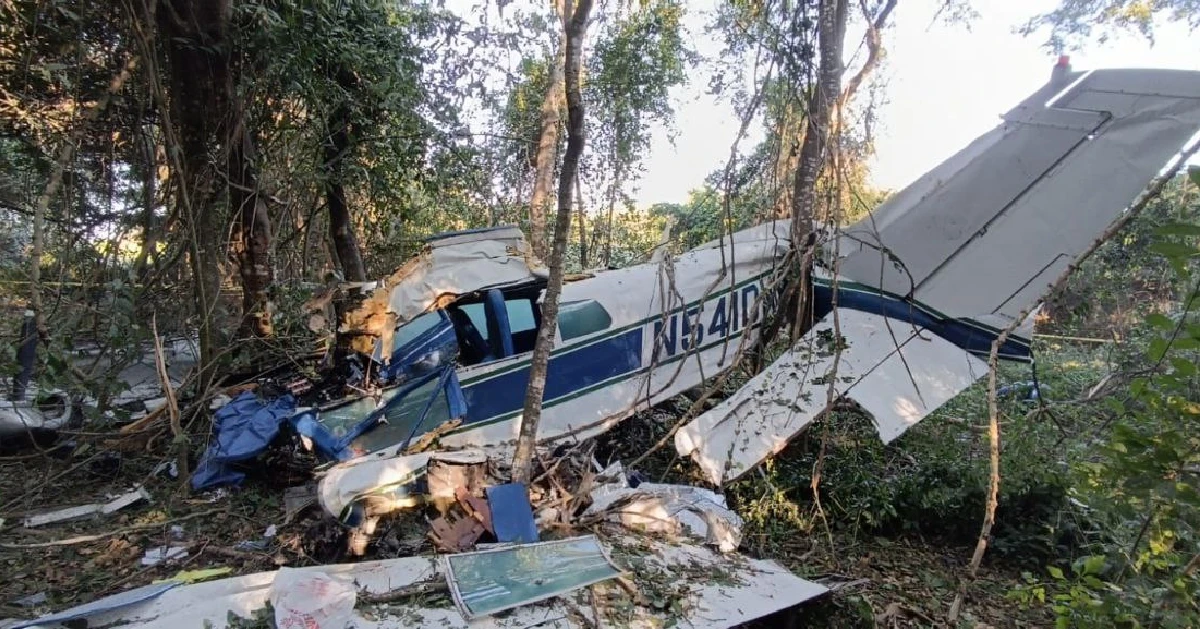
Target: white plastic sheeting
[(896, 372)]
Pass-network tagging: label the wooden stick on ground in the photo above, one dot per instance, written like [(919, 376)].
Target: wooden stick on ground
[(178, 439), (78, 540)]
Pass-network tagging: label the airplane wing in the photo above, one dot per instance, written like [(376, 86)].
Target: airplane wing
[(895, 371), (933, 275), (985, 233)]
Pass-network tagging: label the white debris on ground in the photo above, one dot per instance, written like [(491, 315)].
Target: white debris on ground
[(673, 509), (121, 502)]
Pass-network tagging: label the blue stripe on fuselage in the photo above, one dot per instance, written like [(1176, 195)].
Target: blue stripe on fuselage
[(569, 371), (962, 333)]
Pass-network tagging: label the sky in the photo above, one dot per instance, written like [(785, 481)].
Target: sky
[(946, 85)]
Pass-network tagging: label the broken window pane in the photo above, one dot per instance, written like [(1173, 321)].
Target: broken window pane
[(576, 319), (342, 420), (402, 418), (414, 329), (478, 317)]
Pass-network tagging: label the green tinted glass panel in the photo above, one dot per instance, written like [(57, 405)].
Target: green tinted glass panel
[(520, 315), (403, 417), (576, 319)]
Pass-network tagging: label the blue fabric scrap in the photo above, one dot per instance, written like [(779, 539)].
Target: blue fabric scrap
[(242, 429)]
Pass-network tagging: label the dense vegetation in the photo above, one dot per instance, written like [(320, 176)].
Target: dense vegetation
[(200, 166)]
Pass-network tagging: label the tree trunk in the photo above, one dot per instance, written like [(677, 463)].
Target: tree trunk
[(149, 194), (613, 189), (831, 24), (576, 25), (194, 33), (341, 228), (253, 245), (248, 205), (547, 147), (787, 158), (583, 251)]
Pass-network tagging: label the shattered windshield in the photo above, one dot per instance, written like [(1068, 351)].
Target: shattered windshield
[(401, 419)]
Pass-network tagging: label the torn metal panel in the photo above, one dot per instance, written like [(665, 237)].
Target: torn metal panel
[(752, 588), (450, 266), (104, 607), (895, 371), (128, 499), (670, 509), (46, 411)]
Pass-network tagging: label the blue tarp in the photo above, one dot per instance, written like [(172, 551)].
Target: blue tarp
[(241, 430)]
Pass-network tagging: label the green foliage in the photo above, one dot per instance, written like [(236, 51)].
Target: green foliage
[(1076, 20), (635, 64), (364, 60), (1126, 279), (702, 218), (933, 481), (1139, 478)]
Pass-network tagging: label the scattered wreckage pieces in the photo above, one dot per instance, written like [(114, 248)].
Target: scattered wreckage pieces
[(48, 411), (669, 509), (297, 499), (159, 555), (102, 607), (693, 585), (368, 487), (895, 371), (128, 499), (451, 534), (462, 522)]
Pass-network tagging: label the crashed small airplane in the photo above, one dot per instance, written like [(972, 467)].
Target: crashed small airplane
[(916, 293)]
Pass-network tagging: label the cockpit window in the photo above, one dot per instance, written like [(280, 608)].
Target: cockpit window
[(584, 317), (478, 317), (414, 329)]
